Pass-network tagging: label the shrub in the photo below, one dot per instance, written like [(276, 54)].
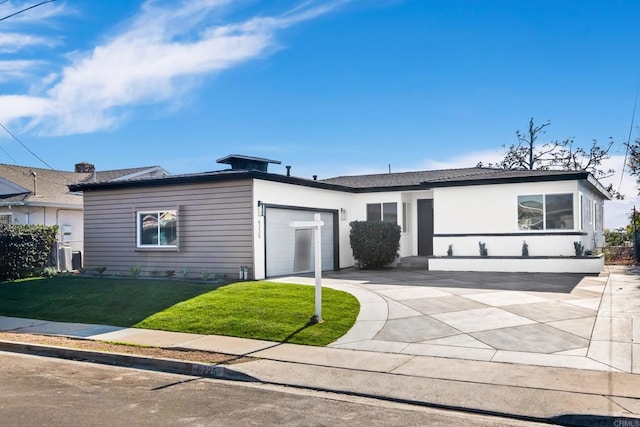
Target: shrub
[(24, 249), (579, 248), (50, 272), (135, 271), (374, 243)]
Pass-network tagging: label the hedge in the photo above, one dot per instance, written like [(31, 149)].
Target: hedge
[(24, 249), (374, 243)]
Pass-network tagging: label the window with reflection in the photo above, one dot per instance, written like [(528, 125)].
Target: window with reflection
[(157, 228), (545, 212)]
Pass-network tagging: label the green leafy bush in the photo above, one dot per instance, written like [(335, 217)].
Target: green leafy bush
[(24, 249), (374, 243)]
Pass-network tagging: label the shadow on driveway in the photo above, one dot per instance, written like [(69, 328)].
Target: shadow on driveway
[(536, 282)]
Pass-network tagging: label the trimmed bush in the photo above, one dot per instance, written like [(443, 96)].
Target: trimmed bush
[(24, 249), (374, 243)]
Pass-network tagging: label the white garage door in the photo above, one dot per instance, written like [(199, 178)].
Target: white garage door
[(292, 250)]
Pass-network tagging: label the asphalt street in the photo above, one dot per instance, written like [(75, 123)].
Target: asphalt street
[(52, 392)]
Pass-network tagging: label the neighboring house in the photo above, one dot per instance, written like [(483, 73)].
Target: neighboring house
[(222, 220), (31, 195)]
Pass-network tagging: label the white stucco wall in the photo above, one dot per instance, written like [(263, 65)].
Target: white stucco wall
[(466, 214), (276, 193), (489, 213)]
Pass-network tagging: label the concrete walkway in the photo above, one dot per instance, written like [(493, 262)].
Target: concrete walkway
[(594, 386), (562, 320)]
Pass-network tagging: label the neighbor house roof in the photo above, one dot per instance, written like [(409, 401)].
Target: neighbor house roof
[(131, 173), (42, 186), (48, 187)]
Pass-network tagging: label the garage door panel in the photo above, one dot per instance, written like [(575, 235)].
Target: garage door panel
[(291, 251)]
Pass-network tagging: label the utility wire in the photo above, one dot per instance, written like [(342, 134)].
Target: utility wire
[(7, 153), (25, 9), (32, 153), (633, 117)]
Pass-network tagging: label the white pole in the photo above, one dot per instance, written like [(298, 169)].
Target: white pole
[(318, 254), (316, 225)]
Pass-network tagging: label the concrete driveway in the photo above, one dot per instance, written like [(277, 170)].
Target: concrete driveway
[(564, 320)]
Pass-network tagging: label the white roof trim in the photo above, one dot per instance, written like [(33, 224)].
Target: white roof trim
[(142, 172)]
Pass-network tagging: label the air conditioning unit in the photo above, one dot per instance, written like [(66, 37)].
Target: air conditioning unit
[(64, 258)]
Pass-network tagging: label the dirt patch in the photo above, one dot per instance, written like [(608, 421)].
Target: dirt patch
[(155, 352)]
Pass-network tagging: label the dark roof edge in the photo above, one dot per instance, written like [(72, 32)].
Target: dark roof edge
[(240, 175), (510, 179), (577, 175), (214, 177)]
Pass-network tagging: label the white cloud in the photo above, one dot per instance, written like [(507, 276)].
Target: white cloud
[(16, 69), (156, 58), (16, 106), (13, 42)]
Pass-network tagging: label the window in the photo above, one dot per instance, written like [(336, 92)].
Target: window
[(157, 229), (6, 219), (406, 216), (545, 212), (581, 211), (382, 212)]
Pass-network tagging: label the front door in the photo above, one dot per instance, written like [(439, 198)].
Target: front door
[(425, 227)]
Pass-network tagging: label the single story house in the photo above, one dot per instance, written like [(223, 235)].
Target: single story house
[(30, 195), (223, 220)]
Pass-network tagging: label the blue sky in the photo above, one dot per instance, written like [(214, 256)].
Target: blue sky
[(329, 87)]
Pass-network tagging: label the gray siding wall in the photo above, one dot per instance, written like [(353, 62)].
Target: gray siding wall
[(214, 229)]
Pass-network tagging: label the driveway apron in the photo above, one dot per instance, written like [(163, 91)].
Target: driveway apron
[(563, 320)]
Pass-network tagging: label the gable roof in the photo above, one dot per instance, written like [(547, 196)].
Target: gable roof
[(121, 174), (48, 187)]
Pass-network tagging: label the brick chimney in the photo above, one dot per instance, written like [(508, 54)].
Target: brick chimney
[(85, 167)]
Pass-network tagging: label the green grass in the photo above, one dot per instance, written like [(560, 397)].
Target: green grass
[(118, 302), (260, 310)]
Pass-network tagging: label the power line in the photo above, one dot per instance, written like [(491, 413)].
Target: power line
[(32, 153), (633, 116), (25, 9)]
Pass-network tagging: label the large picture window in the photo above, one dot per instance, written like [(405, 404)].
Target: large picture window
[(157, 229), (545, 212), (382, 212)]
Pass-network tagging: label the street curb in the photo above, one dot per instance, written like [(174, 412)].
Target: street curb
[(222, 372), (128, 360)]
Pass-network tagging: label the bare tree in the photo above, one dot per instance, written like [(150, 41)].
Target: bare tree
[(528, 154)]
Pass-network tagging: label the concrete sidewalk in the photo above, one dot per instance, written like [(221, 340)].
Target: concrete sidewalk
[(562, 395), (571, 395)]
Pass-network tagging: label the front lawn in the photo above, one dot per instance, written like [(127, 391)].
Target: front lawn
[(260, 310), (117, 302)]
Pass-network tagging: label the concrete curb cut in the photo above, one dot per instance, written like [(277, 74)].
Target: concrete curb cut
[(128, 360)]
